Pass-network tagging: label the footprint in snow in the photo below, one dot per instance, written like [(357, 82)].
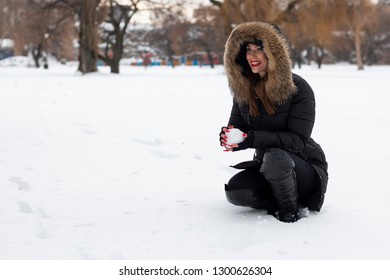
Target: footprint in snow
[(42, 213), (84, 128), (24, 207), (22, 185), (163, 155), (147, 142), (41, 232), (156, 142), (88, 131)]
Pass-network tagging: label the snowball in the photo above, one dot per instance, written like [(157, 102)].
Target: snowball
[(234, 136)]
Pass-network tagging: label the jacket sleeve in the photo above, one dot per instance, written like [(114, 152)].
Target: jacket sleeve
[(300, 123), (236, 118)]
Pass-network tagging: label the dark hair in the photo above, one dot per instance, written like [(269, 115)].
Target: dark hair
[(246, 69)]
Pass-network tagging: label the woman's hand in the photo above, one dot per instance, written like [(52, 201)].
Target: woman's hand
[(222, 136), (223, 139)]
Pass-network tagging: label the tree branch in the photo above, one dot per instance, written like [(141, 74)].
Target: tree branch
[(216, 3)]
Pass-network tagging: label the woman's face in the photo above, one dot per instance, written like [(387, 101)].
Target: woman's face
[(257, 59)]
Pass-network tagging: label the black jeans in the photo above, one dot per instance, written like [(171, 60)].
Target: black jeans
[(250, 188)]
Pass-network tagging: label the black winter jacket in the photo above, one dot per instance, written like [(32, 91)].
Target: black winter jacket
[(289, 129)]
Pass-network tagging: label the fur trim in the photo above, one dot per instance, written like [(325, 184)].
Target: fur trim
[(279, 86)]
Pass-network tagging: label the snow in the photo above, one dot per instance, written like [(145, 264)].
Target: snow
[(106, 166), (6, 43), (234, 136), (17, 61)]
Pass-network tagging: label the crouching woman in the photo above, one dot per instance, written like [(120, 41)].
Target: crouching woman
[(275, 110)]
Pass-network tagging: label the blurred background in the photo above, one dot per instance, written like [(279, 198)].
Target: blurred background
[(162, 32)]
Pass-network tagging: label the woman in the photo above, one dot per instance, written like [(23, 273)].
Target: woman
[(275, 110)]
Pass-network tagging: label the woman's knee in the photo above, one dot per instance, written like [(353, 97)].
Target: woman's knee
[(276, 163)]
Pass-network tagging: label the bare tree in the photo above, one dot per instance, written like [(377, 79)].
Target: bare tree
[(5, 26), (114, 30), (234, 12), (3, 18), (381, 49), (36, 29), (163, 39), (299, 41), (12, 15), (358, 16), (170, 27), (317, 22), (47, 30), (86, 12), (205, 32)]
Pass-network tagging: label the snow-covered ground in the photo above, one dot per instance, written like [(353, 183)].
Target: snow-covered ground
[(129, 166)]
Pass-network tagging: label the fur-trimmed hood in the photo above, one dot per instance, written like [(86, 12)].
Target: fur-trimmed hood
[(279, 85)]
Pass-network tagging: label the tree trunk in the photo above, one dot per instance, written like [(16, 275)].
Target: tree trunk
[(299, 62), (358, 48), (211, 59), (320, 54), (296, 58), (114, 65), (225, 17), (172, 60), (88, 36), (117, 50), (37, 54)]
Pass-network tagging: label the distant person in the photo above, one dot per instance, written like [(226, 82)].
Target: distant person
[(45, 63), (146, 59), (274, 110)]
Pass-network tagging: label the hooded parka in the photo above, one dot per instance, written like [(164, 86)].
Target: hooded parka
[(290, 127)]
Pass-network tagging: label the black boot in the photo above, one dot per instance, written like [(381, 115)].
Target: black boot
[(278, 170)]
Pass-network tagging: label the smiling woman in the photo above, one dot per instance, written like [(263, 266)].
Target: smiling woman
[(275, 110)]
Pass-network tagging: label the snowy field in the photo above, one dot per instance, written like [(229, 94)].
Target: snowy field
[(129, 166)]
